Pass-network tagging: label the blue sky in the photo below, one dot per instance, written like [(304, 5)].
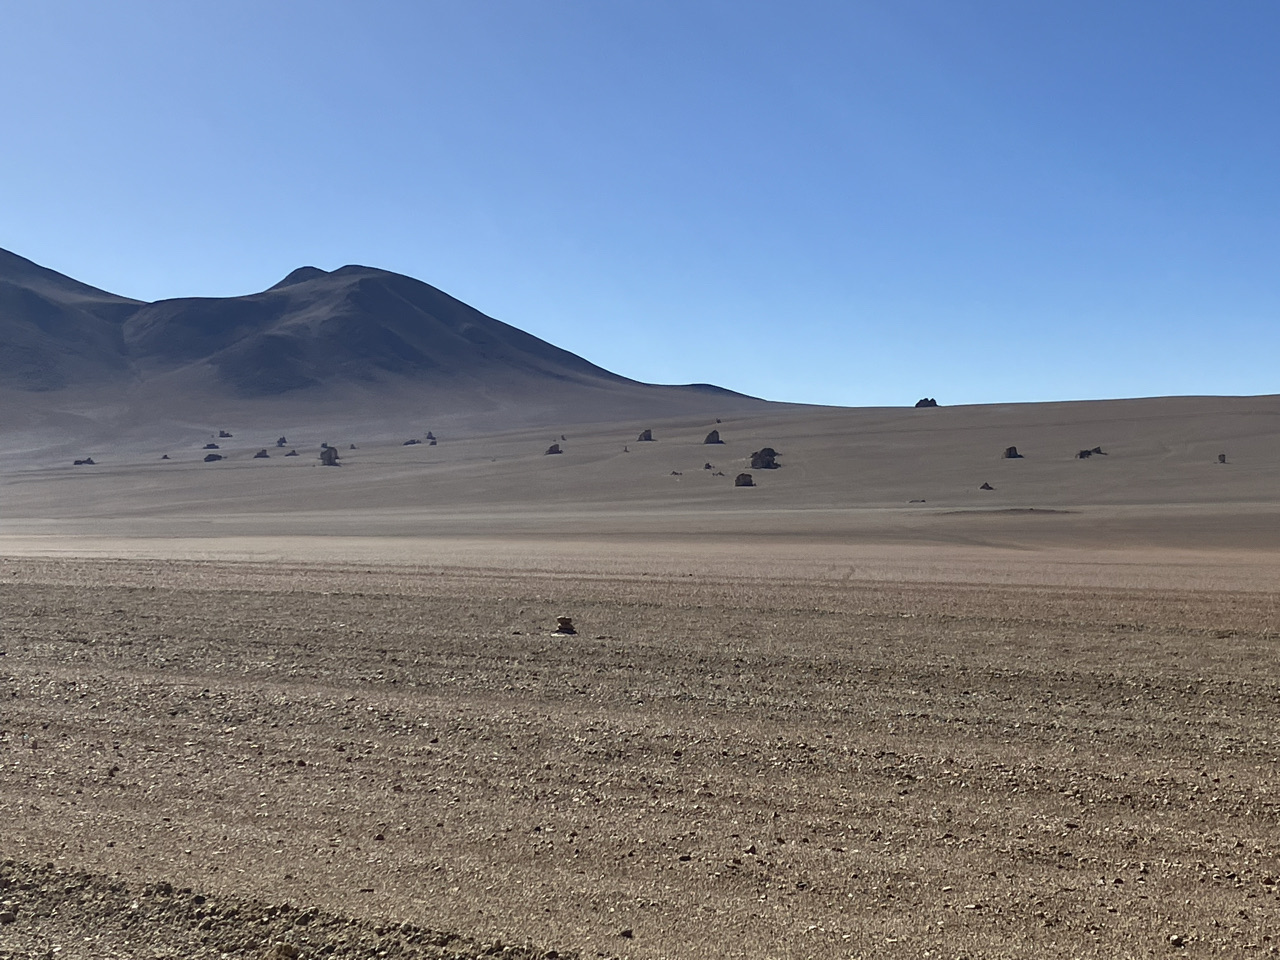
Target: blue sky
[(847, 202)]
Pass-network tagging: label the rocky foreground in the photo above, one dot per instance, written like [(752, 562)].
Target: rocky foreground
[(46, 912), (243, 759)]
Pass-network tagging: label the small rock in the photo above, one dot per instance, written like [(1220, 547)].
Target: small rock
[(564, 625), (986, 486), (743, 480), (713, 437), (1011, 453), (7, 916), (553, 449), (645, 435)]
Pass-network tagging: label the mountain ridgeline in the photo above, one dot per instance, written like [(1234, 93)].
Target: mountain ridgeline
[(313, 329)]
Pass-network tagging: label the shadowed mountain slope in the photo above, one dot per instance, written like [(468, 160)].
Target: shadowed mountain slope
[(55, 331), (355, 326)]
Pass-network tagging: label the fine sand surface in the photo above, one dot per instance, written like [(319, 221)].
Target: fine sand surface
[(263, 701)]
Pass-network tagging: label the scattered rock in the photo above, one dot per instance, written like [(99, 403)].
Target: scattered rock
[(645, 435), (261, 455), (1011, 453), (164, 456), (212, 457), (743, 480), (352, 447), (329, 456), (1222, 458), (554, 448), (7, 916), (564, 626), (707, 466), (627, 934), (1084, 454), (626, 449), (211, 446), (917, 501), (430, 435), (563, 437), (410, 443), (765, 459), (223, 435), (926, 402), (1177, 940), (676, 473), (86, 462), (292, 453), (718, 473), (986, 486), (281, 441), (713, 437), (1099, 451), (431, 442)]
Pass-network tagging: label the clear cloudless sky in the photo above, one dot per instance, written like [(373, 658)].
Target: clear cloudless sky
[(856, 202)]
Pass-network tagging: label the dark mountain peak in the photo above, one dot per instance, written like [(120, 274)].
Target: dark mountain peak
[(301, 275)]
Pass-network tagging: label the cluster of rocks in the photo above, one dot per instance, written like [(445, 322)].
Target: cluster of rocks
[(764, 459)]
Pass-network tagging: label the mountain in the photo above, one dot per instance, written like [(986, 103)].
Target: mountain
[(55, 331), (315, 330)]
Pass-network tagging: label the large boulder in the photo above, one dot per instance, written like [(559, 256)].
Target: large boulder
[(1011, 453), (713, 437), (645, 435), (743, 480), (926, 402), (261, 455), (765, 459), (329, 457), (553, 449)]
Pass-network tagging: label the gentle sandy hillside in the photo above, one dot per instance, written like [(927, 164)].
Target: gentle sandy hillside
[(879, 473)]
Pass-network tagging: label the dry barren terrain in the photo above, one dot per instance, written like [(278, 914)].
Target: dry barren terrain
[(755, 749)]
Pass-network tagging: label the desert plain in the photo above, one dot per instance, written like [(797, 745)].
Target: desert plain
[(864, 708)]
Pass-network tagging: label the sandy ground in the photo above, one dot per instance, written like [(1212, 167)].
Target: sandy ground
[(264, 702)]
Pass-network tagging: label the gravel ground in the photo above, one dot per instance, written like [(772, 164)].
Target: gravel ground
[(714, 766)]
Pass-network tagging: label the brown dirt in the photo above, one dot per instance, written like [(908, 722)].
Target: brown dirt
[(770, 762)]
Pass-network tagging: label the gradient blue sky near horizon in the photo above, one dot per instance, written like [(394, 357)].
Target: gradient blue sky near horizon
[(856, 203)]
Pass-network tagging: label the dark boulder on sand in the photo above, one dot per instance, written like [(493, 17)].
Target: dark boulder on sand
[(261, 455), (743, 480), (645, 435), (329, 457), (765, 459), (553, 449), (713, 437), (212, 457), (1011, 453), (926, 402)]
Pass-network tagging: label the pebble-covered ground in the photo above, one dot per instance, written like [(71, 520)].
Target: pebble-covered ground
[(221, 758)]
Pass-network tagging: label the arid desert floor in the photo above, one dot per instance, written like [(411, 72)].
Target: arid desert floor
[(867, 752), (265, 708)]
